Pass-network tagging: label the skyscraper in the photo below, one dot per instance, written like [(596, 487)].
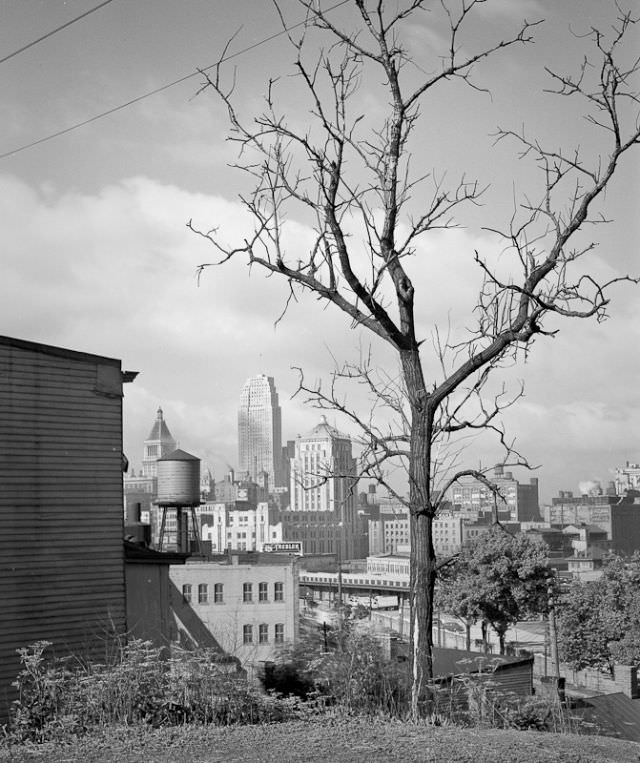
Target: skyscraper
[(260, 431), (322, 513)]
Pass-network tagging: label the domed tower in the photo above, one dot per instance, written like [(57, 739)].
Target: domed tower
[(158, 444)]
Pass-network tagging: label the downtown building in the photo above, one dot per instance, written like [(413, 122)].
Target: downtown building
[(260, 433), (241, 605), (514, 501), (618, 516), (322, 513), (144, 484)]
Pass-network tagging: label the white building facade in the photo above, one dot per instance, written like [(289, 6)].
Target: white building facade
[(323, 490), (250, 607), (238, 529)]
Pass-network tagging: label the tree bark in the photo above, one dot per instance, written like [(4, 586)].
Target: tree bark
[(423, 558)]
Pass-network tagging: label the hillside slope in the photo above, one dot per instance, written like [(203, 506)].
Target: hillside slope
[(331, 741)]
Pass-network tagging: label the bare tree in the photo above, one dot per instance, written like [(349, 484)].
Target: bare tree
[(353, 182)]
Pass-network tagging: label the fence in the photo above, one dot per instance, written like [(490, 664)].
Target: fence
[(625, 678)]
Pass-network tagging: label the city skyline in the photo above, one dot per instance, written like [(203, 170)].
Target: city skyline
[(99, 259)]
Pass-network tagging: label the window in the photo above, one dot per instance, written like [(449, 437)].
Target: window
[(247, 592), (203, 593), (186, 592), (218, 594), (263, 633), (263, 594), (278, 592), (247, 634), (279, 633)]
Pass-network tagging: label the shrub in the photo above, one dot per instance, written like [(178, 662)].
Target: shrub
[(355, 675), (56, 701)]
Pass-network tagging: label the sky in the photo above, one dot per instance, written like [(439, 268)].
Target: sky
[(97, 255)]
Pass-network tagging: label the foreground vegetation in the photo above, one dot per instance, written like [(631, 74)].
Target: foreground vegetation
[(346, 704), (62, 698)]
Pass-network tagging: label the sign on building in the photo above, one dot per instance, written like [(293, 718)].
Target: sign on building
[(284, 547)]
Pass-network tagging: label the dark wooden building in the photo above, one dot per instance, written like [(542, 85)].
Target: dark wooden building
[(61, 508)]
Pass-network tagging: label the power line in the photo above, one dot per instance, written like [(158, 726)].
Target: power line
[(160, 89), (54, 31)]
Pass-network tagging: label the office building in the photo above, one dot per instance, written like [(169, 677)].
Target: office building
[(323, 493), (260, 432), (512, 500)]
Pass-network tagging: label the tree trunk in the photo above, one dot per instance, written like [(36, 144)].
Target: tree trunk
[(467, 627), (501, 635), (423, 558), (422, 587)]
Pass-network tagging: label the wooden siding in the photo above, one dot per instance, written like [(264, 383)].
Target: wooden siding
[(61, 515)]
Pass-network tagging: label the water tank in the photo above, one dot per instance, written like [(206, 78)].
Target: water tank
[(178, 480)]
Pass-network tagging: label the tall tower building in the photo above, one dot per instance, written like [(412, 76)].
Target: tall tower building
[(260, 431), (158, 444), (323, 493)]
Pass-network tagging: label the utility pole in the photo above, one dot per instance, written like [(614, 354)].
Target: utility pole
[(553, 632), (339, 559)]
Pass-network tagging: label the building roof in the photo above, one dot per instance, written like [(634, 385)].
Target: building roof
[(60, 352), (179, 455), (448, 662), (324, 429), (160, 430), (136, 554)]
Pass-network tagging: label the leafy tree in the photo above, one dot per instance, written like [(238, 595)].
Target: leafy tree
[(499, 578), (346, 171), (599, 623), (456, 595)]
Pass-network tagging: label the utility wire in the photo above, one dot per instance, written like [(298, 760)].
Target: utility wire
[(160, 89), (54, 31)]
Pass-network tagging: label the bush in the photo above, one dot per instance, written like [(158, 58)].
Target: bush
[(60, 698), (56, 701), (355, 675)]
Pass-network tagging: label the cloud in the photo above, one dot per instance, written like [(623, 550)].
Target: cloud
[(113, 273)]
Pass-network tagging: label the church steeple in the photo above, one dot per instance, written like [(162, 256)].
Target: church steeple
[(158, 444)]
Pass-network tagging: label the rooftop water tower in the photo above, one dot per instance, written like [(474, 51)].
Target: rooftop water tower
[(179, 490)]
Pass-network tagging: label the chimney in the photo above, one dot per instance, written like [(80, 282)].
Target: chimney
[(134, 513)]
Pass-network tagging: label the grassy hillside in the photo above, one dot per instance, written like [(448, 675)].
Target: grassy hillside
[(328, 741)]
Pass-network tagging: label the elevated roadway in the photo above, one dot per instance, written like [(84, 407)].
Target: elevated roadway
[(355, 583)]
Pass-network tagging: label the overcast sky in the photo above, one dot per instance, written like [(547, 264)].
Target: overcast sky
[(97, 256)]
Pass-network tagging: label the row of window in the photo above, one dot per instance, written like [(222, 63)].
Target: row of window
[(218, 592), (263, 592), (263, 633)]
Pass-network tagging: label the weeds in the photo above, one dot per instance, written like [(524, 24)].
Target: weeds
[(58, 699)]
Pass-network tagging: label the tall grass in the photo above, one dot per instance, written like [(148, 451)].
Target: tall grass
[(58, 697)]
